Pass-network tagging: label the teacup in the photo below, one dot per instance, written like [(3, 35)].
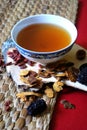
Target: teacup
[(42, 56)]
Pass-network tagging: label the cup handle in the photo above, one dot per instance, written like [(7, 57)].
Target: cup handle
[(5, 46)]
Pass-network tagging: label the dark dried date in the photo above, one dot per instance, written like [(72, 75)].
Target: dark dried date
[(80, 54)]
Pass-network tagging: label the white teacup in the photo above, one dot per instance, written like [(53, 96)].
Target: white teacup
[(44, 57)]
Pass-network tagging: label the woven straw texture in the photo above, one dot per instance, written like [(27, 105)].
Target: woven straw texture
[(10, 12), (13, 10)]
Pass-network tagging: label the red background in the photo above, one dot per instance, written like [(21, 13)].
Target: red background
[(73, 119), (81, 23)]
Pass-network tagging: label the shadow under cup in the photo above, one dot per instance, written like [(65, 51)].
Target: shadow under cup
[(44, 57)]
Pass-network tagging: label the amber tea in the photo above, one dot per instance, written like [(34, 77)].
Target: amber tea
[(43, 38)]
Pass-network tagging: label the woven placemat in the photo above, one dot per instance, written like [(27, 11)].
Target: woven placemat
[(10, 12), (13, 10)]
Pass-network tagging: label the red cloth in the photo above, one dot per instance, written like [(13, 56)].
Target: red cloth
[(73, 119), (70, 119), (81, 23)]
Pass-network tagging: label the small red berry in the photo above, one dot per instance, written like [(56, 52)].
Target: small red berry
[(7, 103), (7, 108)]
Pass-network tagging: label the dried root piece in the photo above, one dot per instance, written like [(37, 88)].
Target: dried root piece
[(72, 74), (23, 95), (49, 92), (24, 72), (25, 80), (67, 104), (28, 94), (61, 75), (54, 65), (30, 78), (45, 73), (57, 86)]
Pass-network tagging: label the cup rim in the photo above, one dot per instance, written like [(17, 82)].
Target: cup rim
[(49, 52)]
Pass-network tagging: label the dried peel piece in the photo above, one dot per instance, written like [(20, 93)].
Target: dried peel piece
[(57, 86)]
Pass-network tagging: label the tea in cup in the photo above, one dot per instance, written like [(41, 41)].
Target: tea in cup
[(44, 38)]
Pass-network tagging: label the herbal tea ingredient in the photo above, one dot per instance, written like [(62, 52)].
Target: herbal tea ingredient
[(81, 54), (34, 88), (82, 76), (34, 79), (37, 107), (67, 104)]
